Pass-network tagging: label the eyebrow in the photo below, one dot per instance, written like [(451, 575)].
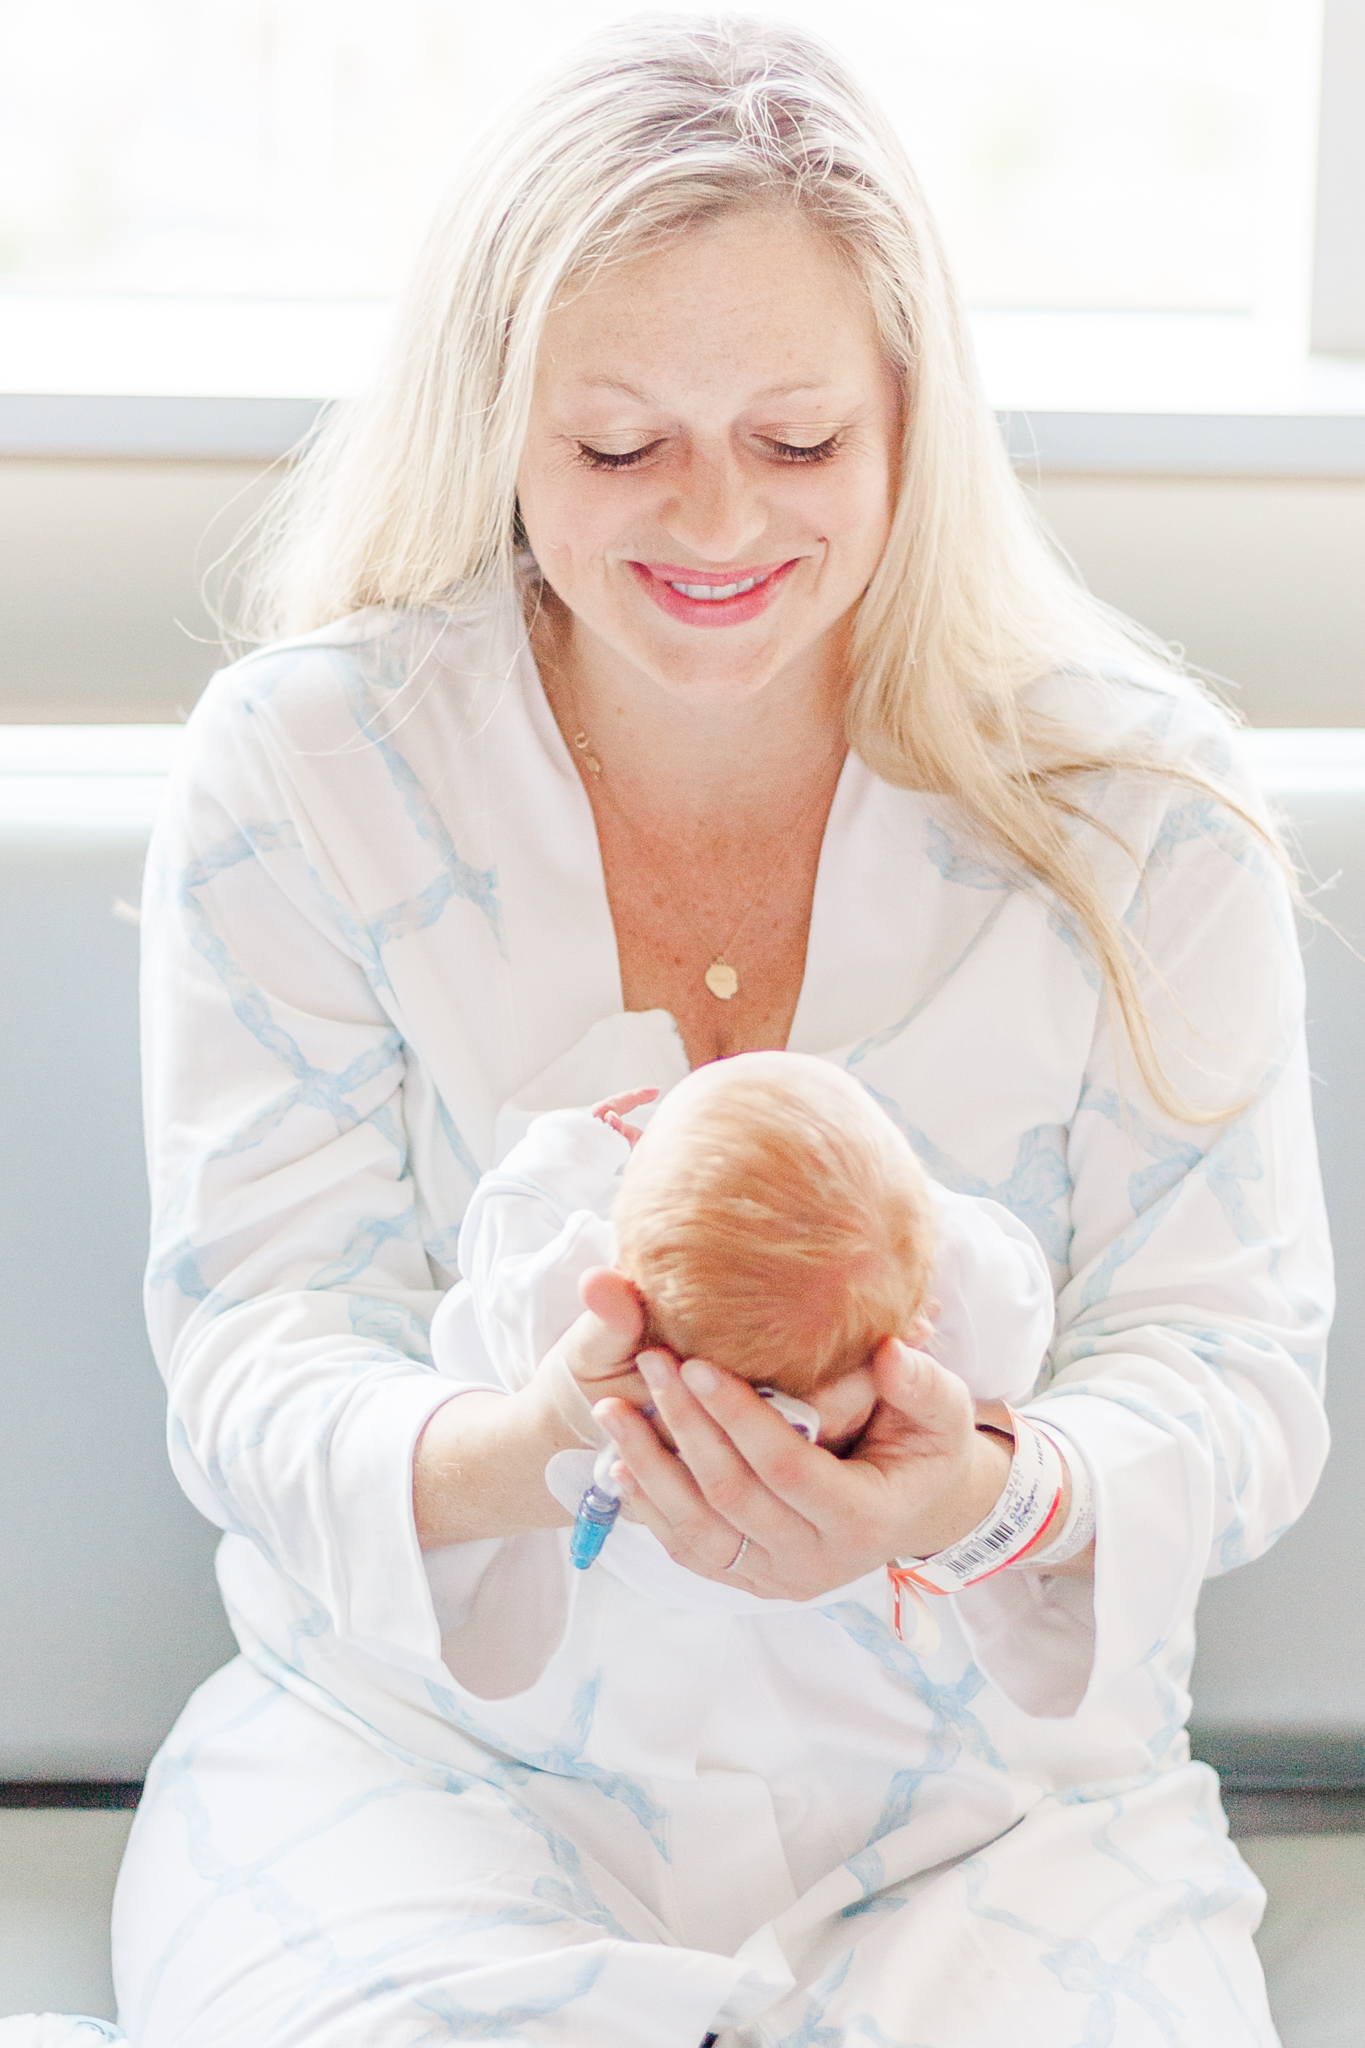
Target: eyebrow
[(759, 398)]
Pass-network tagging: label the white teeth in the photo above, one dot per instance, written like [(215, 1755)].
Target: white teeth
[(711, 593)]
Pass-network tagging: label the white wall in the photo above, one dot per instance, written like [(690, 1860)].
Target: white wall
[(1262, 582), (100, 563)]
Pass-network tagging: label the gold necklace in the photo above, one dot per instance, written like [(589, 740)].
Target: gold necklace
[(720, 977)]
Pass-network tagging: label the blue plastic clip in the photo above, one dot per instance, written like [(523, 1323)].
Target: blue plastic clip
[(597, 1512), (601, 1504)]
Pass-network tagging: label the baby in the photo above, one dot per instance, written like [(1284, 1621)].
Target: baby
[(773, 1220)]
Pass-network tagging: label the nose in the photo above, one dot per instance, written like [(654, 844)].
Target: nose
[(716, 511)]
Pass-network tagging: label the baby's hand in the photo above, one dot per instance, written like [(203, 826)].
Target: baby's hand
[(615, 1107)]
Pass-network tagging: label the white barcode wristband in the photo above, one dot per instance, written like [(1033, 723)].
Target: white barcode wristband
[(1078, 1530), (1024, 1511)]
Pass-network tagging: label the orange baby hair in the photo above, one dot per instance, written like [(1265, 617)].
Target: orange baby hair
[(775, 1221)]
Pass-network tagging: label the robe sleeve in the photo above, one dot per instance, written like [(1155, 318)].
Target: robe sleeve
[(288, 1292), (1188, 1365)]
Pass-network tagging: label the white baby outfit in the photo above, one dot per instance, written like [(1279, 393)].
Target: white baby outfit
[(542, 1218)]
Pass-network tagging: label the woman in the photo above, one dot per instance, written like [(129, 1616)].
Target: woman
[(701, 685)]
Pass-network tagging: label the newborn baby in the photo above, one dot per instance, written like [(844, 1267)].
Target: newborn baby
[(774, 1222)]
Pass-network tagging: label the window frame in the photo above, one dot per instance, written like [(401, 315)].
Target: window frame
[(1338, 282)]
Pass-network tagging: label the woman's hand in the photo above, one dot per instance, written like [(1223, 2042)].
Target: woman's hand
[(479, 1466), (599, 1349), (921, 1476)]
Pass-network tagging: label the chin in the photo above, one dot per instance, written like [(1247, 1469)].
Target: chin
[(717, 672)]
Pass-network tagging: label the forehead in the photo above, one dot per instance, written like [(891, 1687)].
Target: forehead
[(759, 299)]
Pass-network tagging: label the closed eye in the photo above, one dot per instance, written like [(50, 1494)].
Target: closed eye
[(600, 458), (791, 451)]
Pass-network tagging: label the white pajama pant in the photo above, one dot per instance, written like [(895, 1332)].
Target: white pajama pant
[(291, 1884)]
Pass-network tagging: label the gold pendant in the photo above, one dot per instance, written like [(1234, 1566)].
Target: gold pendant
[(721, 979)]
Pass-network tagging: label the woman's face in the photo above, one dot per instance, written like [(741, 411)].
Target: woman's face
[(710, 464)]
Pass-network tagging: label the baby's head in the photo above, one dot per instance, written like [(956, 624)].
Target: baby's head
[(775, 1222)]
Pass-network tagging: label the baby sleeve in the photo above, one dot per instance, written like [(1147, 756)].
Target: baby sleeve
[(533, 1227), (995, 1308)]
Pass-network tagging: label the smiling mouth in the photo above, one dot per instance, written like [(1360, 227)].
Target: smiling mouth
[(714, 593), (710, 597)]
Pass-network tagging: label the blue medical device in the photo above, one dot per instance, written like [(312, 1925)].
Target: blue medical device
[(597, 1512), (601, 1504)]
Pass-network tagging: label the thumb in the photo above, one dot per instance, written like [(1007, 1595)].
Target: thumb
[(613, 1329), (919, 1388), (593, 1352)]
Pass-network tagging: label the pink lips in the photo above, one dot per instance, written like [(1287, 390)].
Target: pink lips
[(658, 580)]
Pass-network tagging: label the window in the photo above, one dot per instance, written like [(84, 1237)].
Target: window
[(1114, 153), (277, 159)]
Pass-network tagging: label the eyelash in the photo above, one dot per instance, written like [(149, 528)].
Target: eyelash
[(785, 451), (598, 458)]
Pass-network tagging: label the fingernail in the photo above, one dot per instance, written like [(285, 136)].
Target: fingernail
[(653, 1371), (699, 1378), (605, 1418)]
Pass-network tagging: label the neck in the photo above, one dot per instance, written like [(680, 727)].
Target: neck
[(760, 751)]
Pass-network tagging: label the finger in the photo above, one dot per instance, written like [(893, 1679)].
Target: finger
[(612, 1299), (678, 1410), (932, 1399), (642, 1453), (604, 1339), (681, 1543), (662, 1492), (807, 1501), (737, 1448), (621, 1105), (845, 1407)]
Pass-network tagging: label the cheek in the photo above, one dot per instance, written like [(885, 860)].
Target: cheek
[(549, 492), (566, 499), (854, 507), (570, 517)]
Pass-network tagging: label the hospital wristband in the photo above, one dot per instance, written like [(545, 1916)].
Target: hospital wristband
[(1025, 1510), (1078, 1530)]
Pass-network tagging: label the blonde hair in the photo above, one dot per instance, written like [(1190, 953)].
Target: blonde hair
[(775, 1221), (407, 497)]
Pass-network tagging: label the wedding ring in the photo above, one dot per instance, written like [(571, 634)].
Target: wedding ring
[(743, 1546)]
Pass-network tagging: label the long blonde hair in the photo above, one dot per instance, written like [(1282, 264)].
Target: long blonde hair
[(407, 497)]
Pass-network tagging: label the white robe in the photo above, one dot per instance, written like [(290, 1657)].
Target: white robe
[(375, 915)]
